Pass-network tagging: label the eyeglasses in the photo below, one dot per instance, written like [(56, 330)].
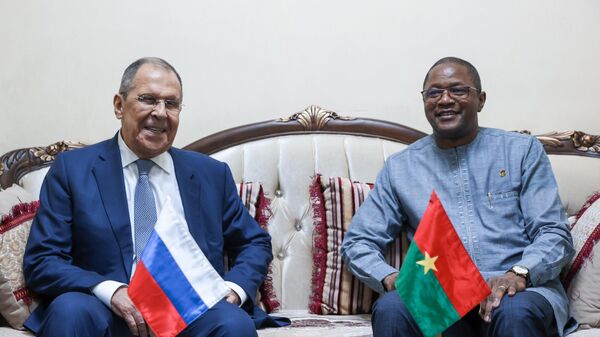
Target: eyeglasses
[(434, 94), (150, 102)]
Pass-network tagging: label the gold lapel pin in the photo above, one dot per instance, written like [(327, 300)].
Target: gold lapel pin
[(502, 172)]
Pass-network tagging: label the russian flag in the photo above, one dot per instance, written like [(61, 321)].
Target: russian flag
[(174, 283)]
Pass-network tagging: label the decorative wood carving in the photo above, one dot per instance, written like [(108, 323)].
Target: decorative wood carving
[(15, 164), (569, 141), (314, 118)]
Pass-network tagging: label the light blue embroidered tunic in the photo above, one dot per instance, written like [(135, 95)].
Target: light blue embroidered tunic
[(500, 194)]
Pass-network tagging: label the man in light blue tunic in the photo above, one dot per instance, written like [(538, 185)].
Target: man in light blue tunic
[(501, 196)]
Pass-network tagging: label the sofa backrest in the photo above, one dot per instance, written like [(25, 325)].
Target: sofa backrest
[(284, 155), (286, 166)]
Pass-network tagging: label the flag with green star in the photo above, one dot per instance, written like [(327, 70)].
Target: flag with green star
[(438, 282)]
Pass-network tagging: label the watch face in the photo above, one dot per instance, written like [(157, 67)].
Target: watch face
[(520, 270)]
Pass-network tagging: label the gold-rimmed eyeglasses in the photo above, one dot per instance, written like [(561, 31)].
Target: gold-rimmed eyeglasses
[(150, 102), (434, 94)]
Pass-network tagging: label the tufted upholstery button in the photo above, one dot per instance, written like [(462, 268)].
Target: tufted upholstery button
[(298, 226), (280, 255), (278, 193)]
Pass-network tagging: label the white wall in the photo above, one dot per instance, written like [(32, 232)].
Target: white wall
[(244, 61)]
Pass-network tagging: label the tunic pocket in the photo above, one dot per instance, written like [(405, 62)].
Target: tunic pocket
[(494, 197), (503, 230)]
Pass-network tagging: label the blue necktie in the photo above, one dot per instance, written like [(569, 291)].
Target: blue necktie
[(144, 208)]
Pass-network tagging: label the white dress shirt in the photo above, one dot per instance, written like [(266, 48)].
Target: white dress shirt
[(164, 185)]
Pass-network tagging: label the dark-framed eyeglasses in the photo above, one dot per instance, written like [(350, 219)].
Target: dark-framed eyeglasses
[(434, 94), (149, 102)]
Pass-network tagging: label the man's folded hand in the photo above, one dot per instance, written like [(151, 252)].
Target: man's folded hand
[(122, 305), (233, 298)]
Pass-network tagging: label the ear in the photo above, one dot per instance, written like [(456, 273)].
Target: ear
[(482, 97), (118, 102)]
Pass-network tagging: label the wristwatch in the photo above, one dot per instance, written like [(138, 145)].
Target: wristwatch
[(520, 271)]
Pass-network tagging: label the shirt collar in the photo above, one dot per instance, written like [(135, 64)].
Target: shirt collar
[(128, 157)]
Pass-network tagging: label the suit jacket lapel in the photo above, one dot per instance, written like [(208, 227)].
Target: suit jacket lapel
[(189, 189), (108, 172)]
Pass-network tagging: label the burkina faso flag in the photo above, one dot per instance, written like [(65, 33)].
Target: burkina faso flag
[(438, 282)]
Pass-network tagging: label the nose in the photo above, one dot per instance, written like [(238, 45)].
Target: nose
[(160, 110), (446, 98)]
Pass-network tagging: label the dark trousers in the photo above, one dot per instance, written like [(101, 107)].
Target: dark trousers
[(525, 314), (79, 314)]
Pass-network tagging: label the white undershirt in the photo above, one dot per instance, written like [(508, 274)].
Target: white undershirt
[(164, 185)]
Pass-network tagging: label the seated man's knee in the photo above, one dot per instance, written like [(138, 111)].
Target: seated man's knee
[(75, 306), (76, 312), (391, 317), (526, 313), (390, 304), (239, 324), (222, 320), (515, 308)]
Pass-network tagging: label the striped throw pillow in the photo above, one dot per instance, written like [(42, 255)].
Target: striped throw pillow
[(259, 207), (582, 275), (335, 290), (16, 300)]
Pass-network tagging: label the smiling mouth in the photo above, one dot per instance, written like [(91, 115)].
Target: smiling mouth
[(154, 130), (447, 113)]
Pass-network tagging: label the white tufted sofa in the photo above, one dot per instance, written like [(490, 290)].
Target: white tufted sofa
[(284, 155)]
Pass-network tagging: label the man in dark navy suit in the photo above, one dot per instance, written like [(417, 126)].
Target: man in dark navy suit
[(85, 239)]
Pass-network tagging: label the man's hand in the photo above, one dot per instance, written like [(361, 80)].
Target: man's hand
[(389, 282), (121, 304), (233, 298), (509, 283)]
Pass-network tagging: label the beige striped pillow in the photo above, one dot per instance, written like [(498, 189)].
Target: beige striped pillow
[(16, 300), (259, 207), (335, 290), (582, 275)]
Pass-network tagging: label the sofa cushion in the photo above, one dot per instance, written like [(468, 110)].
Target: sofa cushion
[(583, 275), (258, 205), (16, 301), (584, 333), (10, 332), (305, 324), (13, 195), (334, 289)]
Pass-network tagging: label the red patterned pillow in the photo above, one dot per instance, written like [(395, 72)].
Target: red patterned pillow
[(582, 274), (334, 289), (259, 207), (16, 301)]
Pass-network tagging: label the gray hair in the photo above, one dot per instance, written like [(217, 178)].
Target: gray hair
[(133, 68)]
